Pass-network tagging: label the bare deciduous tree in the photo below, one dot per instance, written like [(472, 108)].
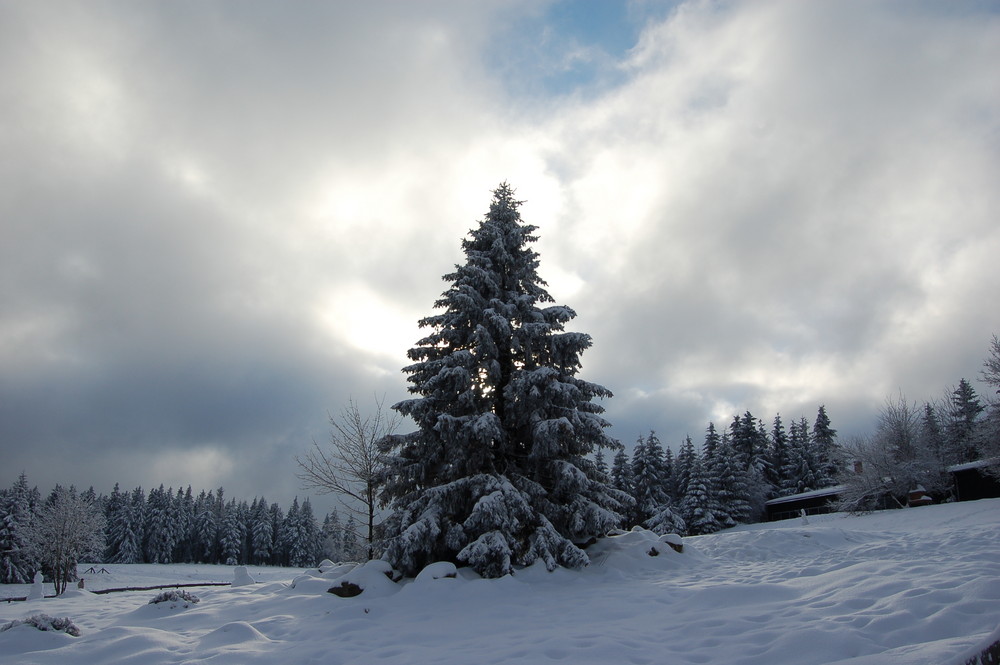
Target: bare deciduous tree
[(988, 435), (349, 466), (893, 461), (67, 529)]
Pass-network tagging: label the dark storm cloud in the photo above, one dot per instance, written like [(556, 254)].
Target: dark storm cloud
[(168, 262)]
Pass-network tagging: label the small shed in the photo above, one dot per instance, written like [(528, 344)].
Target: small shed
[(919, 497), (972, 481)]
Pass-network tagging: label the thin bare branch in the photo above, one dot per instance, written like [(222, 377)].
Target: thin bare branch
[(350, 465)]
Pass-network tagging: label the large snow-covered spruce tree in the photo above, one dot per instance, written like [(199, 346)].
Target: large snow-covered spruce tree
[(496, 475)]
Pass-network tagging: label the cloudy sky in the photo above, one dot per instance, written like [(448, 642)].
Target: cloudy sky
[(221, 220)]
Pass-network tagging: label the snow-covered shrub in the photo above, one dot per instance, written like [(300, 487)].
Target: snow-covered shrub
[(45, 623), (666, 521), (640, 550), (175, 597)]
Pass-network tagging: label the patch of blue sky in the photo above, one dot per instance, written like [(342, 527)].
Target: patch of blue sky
[(572, 47)]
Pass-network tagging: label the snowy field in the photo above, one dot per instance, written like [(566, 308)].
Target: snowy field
[(920, 585)]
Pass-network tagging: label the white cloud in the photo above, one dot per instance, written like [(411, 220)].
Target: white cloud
[(767, 207)]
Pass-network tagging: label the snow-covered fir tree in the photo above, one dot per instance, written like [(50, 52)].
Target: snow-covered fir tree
[(10, 546), (963, 413), (621, 472), (667, 519), (351, 541), (700, 508), (931, 436), (17, 561), (205, 528), (332, 537), (161, 534), (231, 535), (649, 478), (712, 440), (778, 460), (184, 526), (749, 442), (498, 473), (124, 539), (603, 473), (300, 535), (278, 553), (824, 445), (261, 533), (729, 481), (682, 468), (310, 532), (802, 469), (668, 471)]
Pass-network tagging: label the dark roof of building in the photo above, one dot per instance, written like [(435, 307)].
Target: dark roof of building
[(825, 491)]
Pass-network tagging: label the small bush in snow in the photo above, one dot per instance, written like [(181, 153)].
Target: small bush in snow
[(46, 623), (177, 597)]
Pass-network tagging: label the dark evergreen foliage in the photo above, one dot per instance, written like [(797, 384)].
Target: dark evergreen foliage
[(964, 412), (202, 529), (497, 473)]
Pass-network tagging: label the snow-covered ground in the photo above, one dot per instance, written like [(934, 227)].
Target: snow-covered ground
[(920, 585)]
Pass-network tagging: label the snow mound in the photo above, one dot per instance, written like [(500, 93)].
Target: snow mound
[(23, 638), (375, 579), (75, 593), (640, 550), (309, 583), (45, 623), (338, 570), (241, 577), (437, 571), (231, 634)]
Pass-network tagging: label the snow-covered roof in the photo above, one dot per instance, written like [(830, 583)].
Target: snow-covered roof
[(979, 463), (824, 491)]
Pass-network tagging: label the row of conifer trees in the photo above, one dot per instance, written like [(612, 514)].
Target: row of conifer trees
[(727, 480), (165, 526)]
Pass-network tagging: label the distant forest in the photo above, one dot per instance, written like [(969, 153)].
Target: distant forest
[(165, 526)]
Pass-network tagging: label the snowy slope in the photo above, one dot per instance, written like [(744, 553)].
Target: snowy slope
[(920, 585)]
